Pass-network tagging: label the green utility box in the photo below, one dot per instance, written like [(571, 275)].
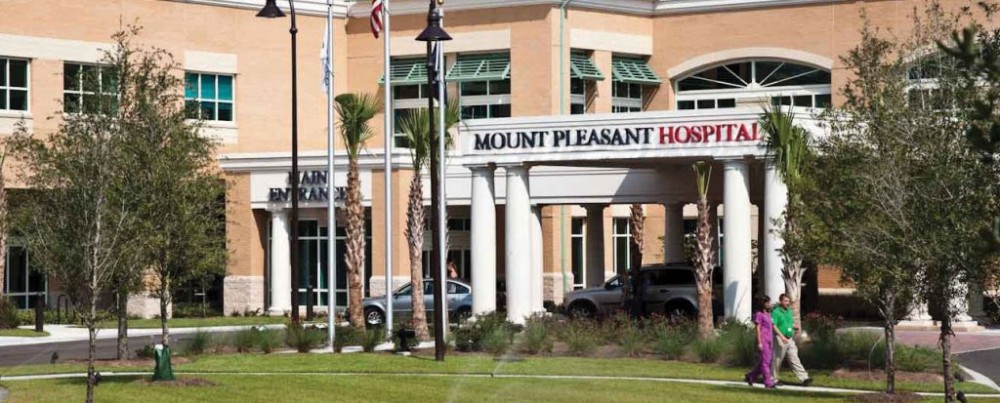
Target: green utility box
[(163, 371)]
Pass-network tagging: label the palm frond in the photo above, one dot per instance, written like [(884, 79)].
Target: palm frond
[(415, 125), (355, 111), (787, 143)]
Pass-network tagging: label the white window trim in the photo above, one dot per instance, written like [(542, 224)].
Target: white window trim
[(583, 261), (27, 278), (81, 92), (614, 244), (17, 112)]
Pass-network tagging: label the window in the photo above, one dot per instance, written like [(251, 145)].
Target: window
[(409, 93), (582, 72), (483, 85), (631, 75), (754, 82), (622, 243), (577, 247), (209, 96), (13, 84), (21, 283), (89, 88)]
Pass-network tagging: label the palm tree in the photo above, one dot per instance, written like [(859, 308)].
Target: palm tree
[(632, 293), (787, 146), (355, 110), (416, 127), (704, 255)]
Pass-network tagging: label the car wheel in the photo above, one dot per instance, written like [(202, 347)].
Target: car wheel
[(582, 310), (374, 317), (679, 311)]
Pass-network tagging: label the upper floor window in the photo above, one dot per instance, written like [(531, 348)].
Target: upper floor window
[(632, 80), (13, 84), (483, 85), (409, 93), (89, 88), (755, 82), (583, 74), (209, 96)]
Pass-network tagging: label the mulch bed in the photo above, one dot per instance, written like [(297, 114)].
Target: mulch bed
[(883, 397)]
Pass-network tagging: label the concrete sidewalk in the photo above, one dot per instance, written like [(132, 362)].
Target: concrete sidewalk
[(64, 333)]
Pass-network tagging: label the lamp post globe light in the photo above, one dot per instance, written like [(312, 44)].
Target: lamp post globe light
[(434, 34), (271, 10)]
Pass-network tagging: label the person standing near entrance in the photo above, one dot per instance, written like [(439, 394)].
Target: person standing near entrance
[(784, 338), (765, 338)]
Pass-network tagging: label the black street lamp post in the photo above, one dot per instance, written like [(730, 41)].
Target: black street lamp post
[(433, 34), (271, 10)]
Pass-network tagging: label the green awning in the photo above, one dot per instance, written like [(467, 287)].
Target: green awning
[(480, 68), (633, 70), (407, 72), (582, 67)]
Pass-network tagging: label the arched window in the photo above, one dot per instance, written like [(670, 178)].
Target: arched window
[(754, 82)]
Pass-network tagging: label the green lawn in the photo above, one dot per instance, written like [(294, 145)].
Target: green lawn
[(199, 322), (22, 333), (475, 364), (381, 388)]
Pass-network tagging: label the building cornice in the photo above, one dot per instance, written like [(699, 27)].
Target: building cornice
[(302, 7), (361, 9), (263, 161)]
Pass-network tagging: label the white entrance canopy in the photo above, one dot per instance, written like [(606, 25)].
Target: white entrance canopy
[(729, 137)]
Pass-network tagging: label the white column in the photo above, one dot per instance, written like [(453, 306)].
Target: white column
[(736, 241), (775, 201), (919, 314), (518, 244), (595, 244), (976, 309), (673, 234), (484, 241), (281, 265), (960, 305), (537, 262)]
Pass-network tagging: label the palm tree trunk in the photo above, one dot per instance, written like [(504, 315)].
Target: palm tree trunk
[(415, 239), (632, 295), (704, 265), (3, 227), (355, 244)]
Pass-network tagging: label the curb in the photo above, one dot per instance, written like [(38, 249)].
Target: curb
[(980, 378)]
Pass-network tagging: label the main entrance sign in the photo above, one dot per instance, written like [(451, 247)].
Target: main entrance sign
[(613, 137), (312, 188)]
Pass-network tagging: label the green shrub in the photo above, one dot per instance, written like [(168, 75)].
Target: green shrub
[(245, 340), (269, 340), (146, 352), (371, 338), (470, 336), (671, 345), (200, 343), (917, 359), (708, 350), (536, 337), (344, 336), (497, 341), (612, 329), (9, 318), (580, 337), (740, 342), (633, 342), (304, 339), (817, 325)]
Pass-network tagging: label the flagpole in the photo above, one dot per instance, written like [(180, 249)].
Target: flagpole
[(388, 114), (331, 188)]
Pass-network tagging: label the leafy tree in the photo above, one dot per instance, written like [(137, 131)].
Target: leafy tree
[(77, 221), (704, 252), (416, 126), (897, 191), (355, 112), (787, 147)]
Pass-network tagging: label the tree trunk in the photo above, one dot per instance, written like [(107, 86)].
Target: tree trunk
[(92, 347), (164, 299), (945, 341), (890, 347), (704, 260), (122, 310), (355, 244), (415, 239), (3, 227), (632, 296)]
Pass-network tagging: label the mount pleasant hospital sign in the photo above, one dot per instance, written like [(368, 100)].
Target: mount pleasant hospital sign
[(612, 137)]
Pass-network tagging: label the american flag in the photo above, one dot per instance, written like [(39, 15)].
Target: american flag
[(376, 18)]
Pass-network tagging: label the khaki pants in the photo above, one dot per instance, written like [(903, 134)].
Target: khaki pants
[(789, 350)]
